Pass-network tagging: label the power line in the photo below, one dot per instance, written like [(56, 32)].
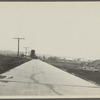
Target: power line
[(18, 45)]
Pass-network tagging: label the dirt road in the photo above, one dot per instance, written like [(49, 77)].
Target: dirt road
[(38, 78)]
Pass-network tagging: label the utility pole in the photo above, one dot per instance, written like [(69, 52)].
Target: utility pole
[(18, 45), (26, 50)]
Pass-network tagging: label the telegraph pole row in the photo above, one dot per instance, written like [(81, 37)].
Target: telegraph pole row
[(18, 45)]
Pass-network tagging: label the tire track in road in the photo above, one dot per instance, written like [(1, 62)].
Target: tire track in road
[(50, 86)]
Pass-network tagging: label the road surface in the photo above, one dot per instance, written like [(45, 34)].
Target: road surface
[(38, 78)]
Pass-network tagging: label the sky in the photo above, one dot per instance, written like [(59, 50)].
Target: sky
[(70, 29)]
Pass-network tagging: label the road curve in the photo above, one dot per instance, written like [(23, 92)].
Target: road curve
[(38, 78)]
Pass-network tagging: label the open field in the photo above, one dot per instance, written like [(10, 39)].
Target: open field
[(89, 71), (9, 62)]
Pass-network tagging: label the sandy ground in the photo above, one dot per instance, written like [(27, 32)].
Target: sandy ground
[(38, 78)]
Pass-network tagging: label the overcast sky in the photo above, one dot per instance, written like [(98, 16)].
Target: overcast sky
[(69, 29)]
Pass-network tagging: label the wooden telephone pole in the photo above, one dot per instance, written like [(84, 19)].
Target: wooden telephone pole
[(26, 48), (18, 45)]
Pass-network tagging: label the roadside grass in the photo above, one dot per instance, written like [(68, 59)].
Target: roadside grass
[(93, 76), (9, 62), (76, 69)]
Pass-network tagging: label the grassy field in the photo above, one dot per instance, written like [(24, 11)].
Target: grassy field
[(78, 69), (8, 62)]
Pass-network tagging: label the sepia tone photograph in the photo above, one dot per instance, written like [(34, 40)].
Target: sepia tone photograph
[(49, 49)]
